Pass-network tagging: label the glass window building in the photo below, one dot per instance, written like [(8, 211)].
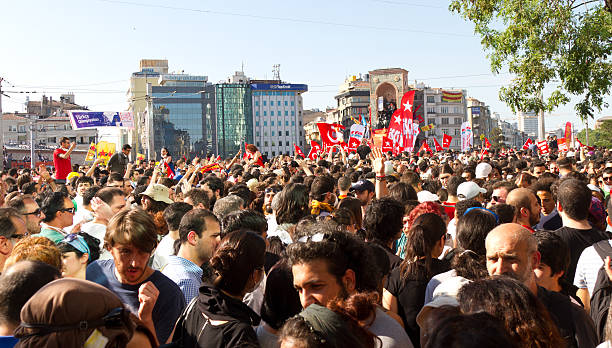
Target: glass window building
[(183, 110), (234, 118)]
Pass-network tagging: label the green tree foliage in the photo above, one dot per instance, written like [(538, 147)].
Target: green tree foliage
[(496, 138), (601, 136), (565, 42)]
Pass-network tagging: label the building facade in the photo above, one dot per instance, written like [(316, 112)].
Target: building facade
[(387, 86), (277, 116), (352, 101), (182, 116), (446, 115), (528, 123), (479, 117), (234, 118)]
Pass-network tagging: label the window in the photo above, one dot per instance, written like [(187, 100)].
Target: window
[(265, 133), (444, 120), (272, 123), (286, 143), (22, 129), (264, 103), (431, 109), (286, 123), (278, 103), (293, 123), (265, 113), (457, 120), (292, 103), (272, 133), (265, 123), (286, 102), (12, 128), (257, 103), (258, 144), (286, 113), (444, 110), (266, 143), (292, 113), (287, 133), (257, 123), (257, 133), (273, 143), (273, 153), (457, 131), (257, 113), (271, 113), (431, 99)]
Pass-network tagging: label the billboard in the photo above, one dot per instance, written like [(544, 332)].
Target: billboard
[(279, 87), (96, 119)]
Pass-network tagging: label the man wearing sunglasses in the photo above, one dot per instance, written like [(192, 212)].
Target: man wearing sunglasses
[(59, 211), (12, 229), (29, 210)]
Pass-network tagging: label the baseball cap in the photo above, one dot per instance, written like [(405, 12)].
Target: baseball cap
[(483, 170), (468, 190), (363, 185), (159, 193), (426, 196)]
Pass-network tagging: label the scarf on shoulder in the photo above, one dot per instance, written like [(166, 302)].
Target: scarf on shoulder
[(316, 207)]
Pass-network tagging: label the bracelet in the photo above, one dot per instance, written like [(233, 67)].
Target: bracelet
[(380, 177)]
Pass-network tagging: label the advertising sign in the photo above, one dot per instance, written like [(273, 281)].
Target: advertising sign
[(96, 119)]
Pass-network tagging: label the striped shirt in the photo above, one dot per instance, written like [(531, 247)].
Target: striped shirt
[(186, 274)]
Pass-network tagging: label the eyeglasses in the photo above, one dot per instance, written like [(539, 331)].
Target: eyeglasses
[(68, 210), (607, 178), (35, 212)]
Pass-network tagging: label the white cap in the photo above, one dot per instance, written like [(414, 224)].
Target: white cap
[(483, 170), (468, 190), (426, 196)]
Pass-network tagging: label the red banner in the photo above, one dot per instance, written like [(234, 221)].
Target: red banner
[(315, 149), (446, 141), (562, 144), (298, 151), (527, 144), (437, 145), (387, 145), (487, 144), (401, 124), (543, 147), (568, 134), (425, 147)]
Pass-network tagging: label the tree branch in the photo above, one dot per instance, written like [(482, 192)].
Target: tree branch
[(586, 2)]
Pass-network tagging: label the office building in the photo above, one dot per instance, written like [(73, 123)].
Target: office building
[(445, 109), (479, 116), (234, 118), (352, 101), (277, 115), (528, 123)]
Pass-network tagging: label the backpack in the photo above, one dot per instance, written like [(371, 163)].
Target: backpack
[(602, 292)]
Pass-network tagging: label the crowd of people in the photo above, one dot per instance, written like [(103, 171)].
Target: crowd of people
[(365, 249)]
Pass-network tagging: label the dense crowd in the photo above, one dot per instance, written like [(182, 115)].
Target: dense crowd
[(508, 248)]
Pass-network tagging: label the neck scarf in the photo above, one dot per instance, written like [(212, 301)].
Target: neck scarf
[(317, 206)]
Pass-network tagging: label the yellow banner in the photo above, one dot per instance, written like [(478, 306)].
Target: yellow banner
[(91, 153)]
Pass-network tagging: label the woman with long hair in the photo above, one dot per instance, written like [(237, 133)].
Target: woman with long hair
[(404, 292), (289, 206), (218, 317)]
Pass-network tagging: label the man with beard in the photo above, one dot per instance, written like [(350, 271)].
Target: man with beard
[(157, 301), (29, 210), (512, 250), (331, 264), (526, 207), (214, 188), (365, 192)]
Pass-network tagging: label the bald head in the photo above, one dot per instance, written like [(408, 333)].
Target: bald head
[(519, 197), (525, 205), (512, 250)]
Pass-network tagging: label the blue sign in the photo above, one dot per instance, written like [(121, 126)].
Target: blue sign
[(279, 87), (476, 110), (94, 119)]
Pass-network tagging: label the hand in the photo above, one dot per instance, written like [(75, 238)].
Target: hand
[(608, 267), (101, 210), (147, 296), (195, 161), (98, 161), (72, 145), (44, 173), (378, 162)]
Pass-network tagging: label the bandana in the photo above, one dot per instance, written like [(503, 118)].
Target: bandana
[(317, 206)]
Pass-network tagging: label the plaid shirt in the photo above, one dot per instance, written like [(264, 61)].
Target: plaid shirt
[(186, 274)]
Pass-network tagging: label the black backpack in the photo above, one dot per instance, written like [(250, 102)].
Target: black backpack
[(602, 292)]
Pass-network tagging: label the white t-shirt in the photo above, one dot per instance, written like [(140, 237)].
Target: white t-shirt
[(587, 268), (97, 230)]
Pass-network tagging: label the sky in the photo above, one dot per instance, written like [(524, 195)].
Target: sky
[(91, 47)]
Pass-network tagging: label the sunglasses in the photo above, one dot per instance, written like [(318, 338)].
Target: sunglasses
[(35, 212), (68, 210), (497, 198)]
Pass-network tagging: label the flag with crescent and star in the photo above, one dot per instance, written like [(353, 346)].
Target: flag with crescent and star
[(446, 141), (331, 134), (298, 151), (400, 127)]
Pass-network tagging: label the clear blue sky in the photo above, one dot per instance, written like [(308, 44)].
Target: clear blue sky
[(90, 47)]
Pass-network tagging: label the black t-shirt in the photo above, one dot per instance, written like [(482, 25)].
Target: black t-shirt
[(410, 294), (577, 241)]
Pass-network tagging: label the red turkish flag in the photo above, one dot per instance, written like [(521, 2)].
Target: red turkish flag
[(446, 141), (590, 148), (527, 144), (387, 145), (315, 149), (487, 143), (298, 151), (345, 146), (169, 170), (218, 158), (437, 144), (330, 133), (562, 144), (400, 127), (425, 147), (353, 144), (543, 147)]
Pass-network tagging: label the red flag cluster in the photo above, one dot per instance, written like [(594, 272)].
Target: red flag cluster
[(543, 147), (527, 144)]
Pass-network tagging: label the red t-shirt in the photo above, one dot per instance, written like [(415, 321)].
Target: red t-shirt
[(449, 209), (62, 165)]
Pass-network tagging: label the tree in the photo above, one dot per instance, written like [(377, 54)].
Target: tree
[(602, 136), (496, 138), (566, 42)]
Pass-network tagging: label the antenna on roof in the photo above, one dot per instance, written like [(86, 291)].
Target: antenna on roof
[(276, 72)]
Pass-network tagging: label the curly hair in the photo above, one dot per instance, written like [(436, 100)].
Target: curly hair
[(341, 251), (423, 208), (383, 220), (35, 249), (523, 315), (292, 204)]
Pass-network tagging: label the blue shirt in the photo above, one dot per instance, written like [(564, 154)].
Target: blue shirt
[(8, 341), (169, 304), (186, 274)]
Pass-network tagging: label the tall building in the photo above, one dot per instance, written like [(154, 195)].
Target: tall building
[(141, 83), (182, 117), (528, 123), (352, 100), (479, 116), (446, 113), (234, 117), (277, 115)]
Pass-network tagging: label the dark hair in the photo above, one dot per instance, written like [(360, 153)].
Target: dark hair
[(344, 183), (114, 176), (198, 196), (18, 203), (214, 183), (126, 147), (19, 282), (7, 227), (174, 213), (554, 251), (245, 219), (194, 220), (64, 139), (402, 192), (93, 244), (383, 220), (84, 180), (292, 204), (280, 300), (505, 212), (341, 251), (472, 229), (507, 299), (242, 191), (28, 188), (354, 205), (464, 205), (426, 231), (237, 257), (470, 330), (575, 198), (52, 204), (107, 194), (321, 185), (544, 184)]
